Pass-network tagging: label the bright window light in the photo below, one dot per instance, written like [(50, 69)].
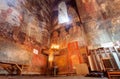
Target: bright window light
[(63, 15), (63, 20), (110, 44)]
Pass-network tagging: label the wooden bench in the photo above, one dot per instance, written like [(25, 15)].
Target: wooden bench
[(11, 67), (113, 74)]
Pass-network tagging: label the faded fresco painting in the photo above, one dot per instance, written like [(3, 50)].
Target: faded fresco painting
[(88, 10), (65, 36), (96, 33), (14, 16), (98, 9), (9, 14), (71, 32), (100, 19), (26, 29), (12, 53), (66, 33), (115, 29), (109, 8)]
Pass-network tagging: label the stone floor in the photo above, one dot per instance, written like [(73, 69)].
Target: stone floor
[(47, 77)]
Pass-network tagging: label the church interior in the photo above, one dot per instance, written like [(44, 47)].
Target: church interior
[(75, 39)]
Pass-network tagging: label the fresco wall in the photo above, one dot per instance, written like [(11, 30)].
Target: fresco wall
[(15, 14), (12, 53), (100, 19), (22, 29), (97, 33), (62, 36), (68, 32), (98, 24), (115, 29), (65, 35)]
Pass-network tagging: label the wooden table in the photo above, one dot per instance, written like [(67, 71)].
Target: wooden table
[(115, 73)]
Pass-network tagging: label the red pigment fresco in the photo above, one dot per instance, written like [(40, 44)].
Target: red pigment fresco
[(39, 60), (74, 56), (89, 7)]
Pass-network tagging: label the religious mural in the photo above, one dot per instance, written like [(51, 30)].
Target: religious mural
[(115, 29), (30, 23), (9, 14), (73, 15), (109, 8), (88, 10), (70, 31), (64, 35), (14, 14), (12, 53), (98, 9), (74, 55), (100, 19), (26, 29), (97, 33)]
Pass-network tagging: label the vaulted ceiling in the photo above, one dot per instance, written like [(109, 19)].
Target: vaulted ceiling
[(24, 19), (48, 7)]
